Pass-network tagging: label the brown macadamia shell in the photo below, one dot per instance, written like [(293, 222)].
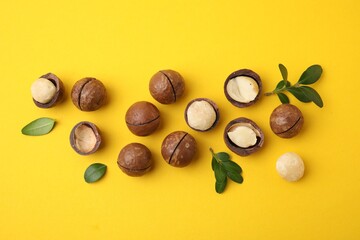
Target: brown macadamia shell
[(237, 149), (85, 138), (59, 94), (178, 148), (166, 86), (142, 118), (135, 159), (88, 94), (286, 120), (246, 73)]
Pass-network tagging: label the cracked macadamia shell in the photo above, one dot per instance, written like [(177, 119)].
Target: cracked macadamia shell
[(243, 136), (243, 87), (286, 121), (166, 86), (47, 91), (290, 166), (178, 148), (88, 94), (202, 114), (135, 159), (85, 138), (142, 118)]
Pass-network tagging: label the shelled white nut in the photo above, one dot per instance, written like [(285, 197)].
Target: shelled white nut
[(43, 90), (242, 89), (201, 115), (290, 166)]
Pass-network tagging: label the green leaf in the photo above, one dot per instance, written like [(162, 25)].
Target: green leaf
[(220, 186), (213, 162), (95, 172), (223, 156), (220, 173), (231, 167), (282, 84), (283, 71), (313, 95), (299, 94), (311, 75), (38, 127), (236, 177), (283, 98)]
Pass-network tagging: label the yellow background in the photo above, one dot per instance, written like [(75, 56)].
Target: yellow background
[(123, 43)]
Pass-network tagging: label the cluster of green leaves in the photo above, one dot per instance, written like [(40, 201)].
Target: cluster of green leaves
[(223, 169), (300, 89)]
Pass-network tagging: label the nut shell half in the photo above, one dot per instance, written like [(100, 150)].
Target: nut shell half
[(85, 138), (246, 73), (237, 149), (59, 94), (178, 148), (135, 159), (166, 86)]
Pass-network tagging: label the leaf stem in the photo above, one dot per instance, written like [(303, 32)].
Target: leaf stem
[(214, 155)]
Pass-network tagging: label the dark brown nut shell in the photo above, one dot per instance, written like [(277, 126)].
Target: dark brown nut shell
[(215, 107), (247, 73), (239, 150), (135, 159), (142, 118), (166, 86), (178, 148), (85, 138), (286, 120), (59, 95), (88, 94)]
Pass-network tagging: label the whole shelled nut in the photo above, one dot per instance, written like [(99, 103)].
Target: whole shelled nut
[(166, 86), (202, 114), (290, 166), (142, 118), (88, 94), (243, 87), (178, 148), (286, 120), (85, 138), (47, 91), (135, 159), (243, 136)]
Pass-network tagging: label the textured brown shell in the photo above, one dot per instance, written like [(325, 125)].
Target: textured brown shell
[(97, 136), (213, 104), (142, 118), (88, 94), (166, 86), (135, 159), (178, 148), (59, 94), (286, 120), (239, 150), (247, 73)]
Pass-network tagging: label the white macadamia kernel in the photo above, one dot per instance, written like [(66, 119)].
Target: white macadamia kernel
[(85, 139), (242, 89), (201, 115), (290, 166), (242, 135), (43, 90)]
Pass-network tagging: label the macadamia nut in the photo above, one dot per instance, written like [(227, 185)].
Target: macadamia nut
[(290, 166), (242, 89), (242, 136), (43, 90), (201, 115)]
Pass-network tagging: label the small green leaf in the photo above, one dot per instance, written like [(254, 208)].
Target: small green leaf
[(283, 98), (94, 172), (213, 162), (283, 71), (223, 156), (299, 94), (220, 173), (220, 186), (313, 95), (282, 84), (311, 75), (38, 127), (232, 167), (236, 177)]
